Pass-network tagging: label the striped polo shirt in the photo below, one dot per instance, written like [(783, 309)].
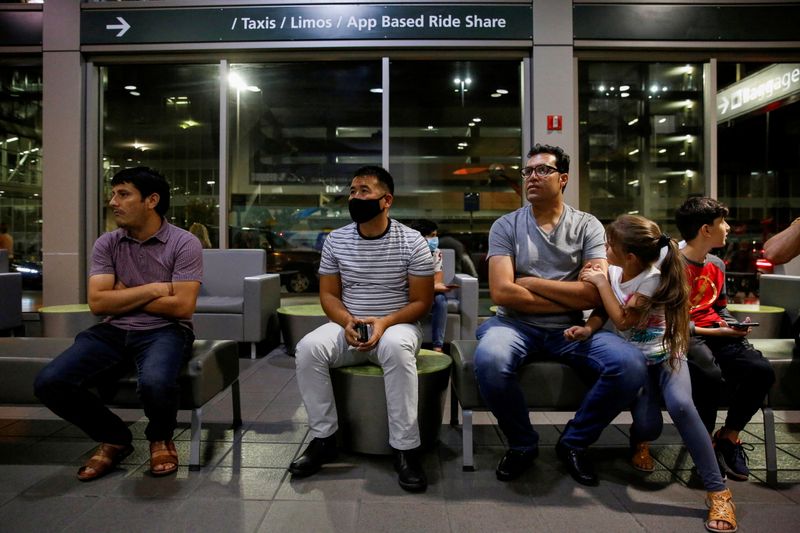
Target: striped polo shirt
[(374, 271), (171, 254)]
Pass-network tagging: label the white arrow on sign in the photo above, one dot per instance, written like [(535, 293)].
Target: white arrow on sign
[(724, 105), (123, 26)]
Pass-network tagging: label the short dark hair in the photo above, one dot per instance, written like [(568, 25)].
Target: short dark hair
[(562, 159), (695, 213), (147, 181), (380, 173), (424, 226)]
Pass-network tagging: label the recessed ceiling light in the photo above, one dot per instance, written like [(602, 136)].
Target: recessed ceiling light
[(376, 90), (476, 119), (624, 87), (135, 93), (496, 95), (501, 91), (662, 151)]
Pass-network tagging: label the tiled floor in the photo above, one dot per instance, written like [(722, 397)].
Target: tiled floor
[(244, 486)]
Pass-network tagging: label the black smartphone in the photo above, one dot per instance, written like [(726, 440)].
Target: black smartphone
[(743, 325), (363, 332)]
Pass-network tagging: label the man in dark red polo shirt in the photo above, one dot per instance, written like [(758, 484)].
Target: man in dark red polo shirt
[(144, 277)]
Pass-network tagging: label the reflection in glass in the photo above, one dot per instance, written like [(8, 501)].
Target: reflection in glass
[(21, 167), (298, 131), (641, 135), (759, 178), (165, 117), (455, 145)]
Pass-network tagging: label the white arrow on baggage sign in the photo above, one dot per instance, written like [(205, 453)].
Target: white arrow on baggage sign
[(123, 26), (724, 105)]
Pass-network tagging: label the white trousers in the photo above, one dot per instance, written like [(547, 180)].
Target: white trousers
[(326, 348)]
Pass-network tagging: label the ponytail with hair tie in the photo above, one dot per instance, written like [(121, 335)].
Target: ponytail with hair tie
[(663, 240)]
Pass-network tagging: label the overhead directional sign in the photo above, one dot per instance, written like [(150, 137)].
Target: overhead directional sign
[(766, 86), (123, 26), (307, 23)]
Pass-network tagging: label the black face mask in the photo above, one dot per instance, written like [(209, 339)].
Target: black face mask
[(364, 210)]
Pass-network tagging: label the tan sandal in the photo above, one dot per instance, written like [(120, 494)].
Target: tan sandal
[(105, 459), (163, 452), (641, 458), (721, 509)]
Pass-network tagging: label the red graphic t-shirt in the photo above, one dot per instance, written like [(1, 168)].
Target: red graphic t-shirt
[(706, 290)]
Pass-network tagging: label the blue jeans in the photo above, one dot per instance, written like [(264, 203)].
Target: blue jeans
[(676, 389), (505, 345), (98, 358), (438, 319)]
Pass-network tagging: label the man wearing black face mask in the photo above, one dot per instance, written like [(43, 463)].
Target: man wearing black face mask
[(376, 273)]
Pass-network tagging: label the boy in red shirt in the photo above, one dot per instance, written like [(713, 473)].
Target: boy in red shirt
[(718, 350)]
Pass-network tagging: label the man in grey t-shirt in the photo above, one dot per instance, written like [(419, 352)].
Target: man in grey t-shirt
[(377, 275), (535, 255)]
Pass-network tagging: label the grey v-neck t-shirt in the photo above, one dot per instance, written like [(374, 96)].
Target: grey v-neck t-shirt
[(558, 255)]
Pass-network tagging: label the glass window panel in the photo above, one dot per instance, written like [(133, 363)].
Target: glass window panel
[(21, 167), (298, 131), (455, 146), (759, 178), (165, 117), (641, 135)]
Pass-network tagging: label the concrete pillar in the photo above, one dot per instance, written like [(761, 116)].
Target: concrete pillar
[(555, 83), (63, 191)]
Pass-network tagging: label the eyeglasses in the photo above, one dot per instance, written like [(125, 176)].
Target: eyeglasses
[(541, 171)]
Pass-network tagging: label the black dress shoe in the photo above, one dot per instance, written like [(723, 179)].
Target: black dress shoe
[(318, 452), (577, 464), (514, 463), (410, 475)]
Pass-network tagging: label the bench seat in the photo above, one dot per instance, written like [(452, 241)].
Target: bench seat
[(213, 367)]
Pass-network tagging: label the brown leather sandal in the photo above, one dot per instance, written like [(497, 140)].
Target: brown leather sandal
[(163, 452), (641, 458), (105, 459), (722, 509)]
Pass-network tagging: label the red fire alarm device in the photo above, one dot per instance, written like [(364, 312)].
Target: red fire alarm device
[(554, 122)]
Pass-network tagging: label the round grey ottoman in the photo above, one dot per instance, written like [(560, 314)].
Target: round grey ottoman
[(66, 320), (361, 403), (296, 321)]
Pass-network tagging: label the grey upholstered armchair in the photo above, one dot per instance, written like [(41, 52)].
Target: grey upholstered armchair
[(462, 303), (238, 300)]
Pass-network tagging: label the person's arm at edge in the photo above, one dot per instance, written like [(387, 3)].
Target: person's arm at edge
[(573, 295), (784, 246), (506, 292), (105, 299)]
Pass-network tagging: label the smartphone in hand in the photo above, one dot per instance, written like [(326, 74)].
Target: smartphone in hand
[(742, 325)]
